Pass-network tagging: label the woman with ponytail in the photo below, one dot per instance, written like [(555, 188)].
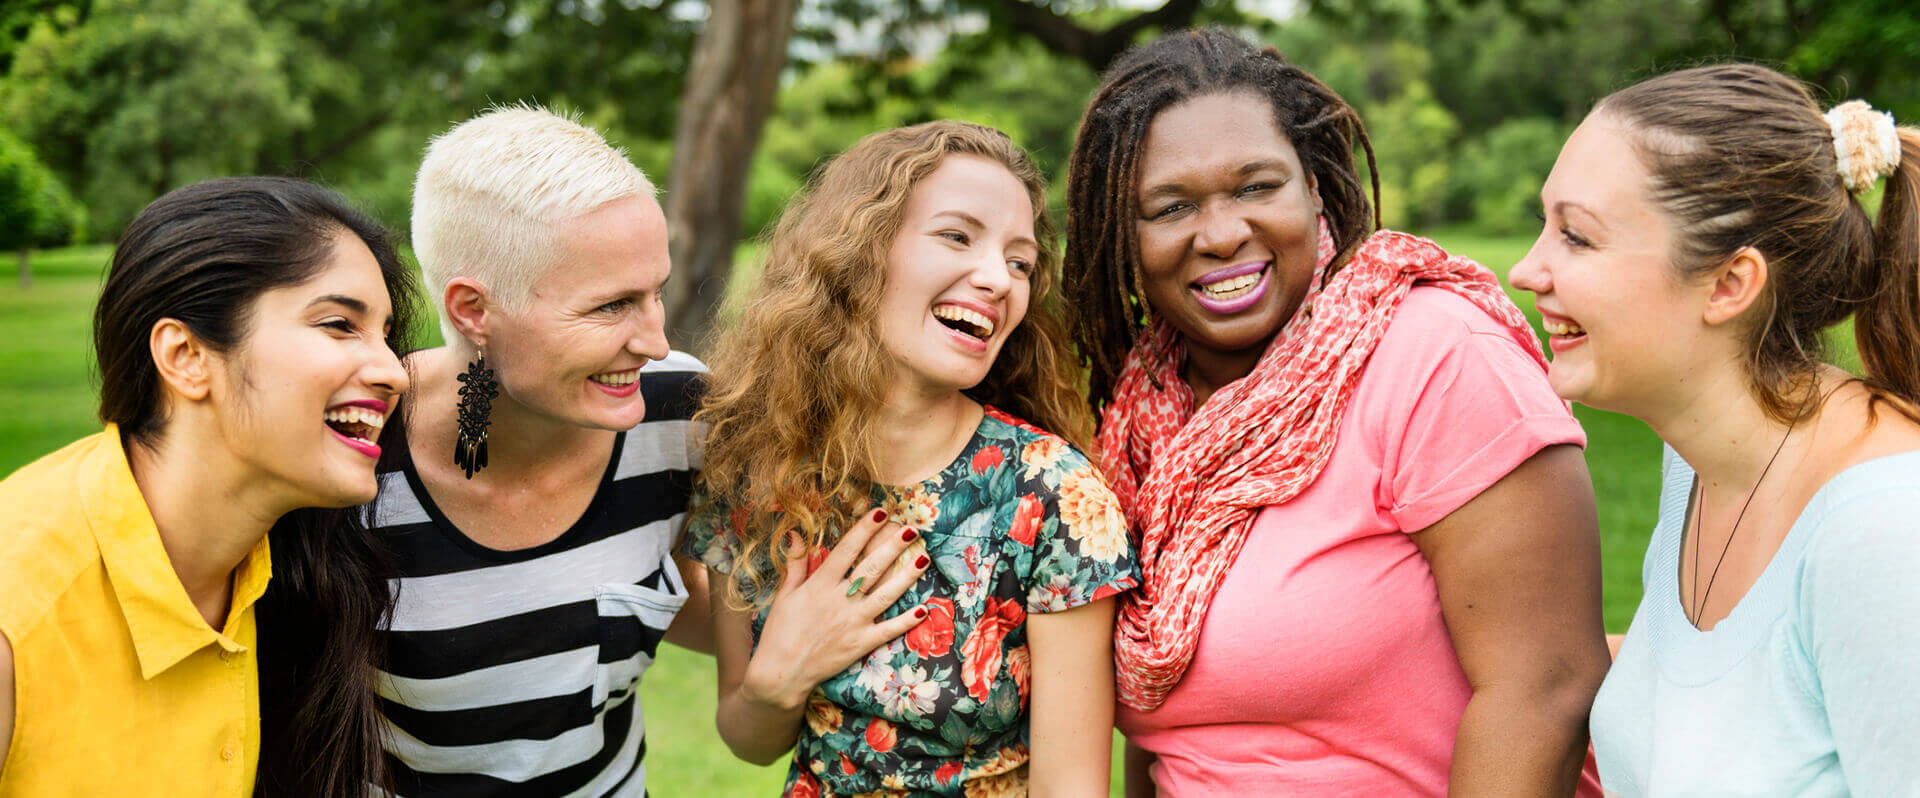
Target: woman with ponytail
[(1703, 232)]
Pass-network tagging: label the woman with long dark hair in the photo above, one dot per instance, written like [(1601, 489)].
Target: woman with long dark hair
[(245, 336), (1704, 231)]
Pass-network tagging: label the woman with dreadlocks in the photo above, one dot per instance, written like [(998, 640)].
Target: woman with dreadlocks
[(1368, 537)]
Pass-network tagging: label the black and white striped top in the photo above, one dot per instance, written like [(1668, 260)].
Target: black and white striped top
[(514, 672)]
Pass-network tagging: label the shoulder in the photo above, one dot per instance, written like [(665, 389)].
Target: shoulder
[(1032, 447), (1433, 319), (1867, 518), (44, 532)]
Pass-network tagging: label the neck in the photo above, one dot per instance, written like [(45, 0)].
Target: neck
[(210, 510), (919, 431), (521, 444), (1716, 424), (1207, 372)]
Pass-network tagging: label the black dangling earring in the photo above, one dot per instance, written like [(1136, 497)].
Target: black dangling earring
[(477, 390)]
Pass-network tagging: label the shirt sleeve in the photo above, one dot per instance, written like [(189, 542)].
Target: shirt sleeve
[(1860, 593), (1079, 535), (1462, 406)]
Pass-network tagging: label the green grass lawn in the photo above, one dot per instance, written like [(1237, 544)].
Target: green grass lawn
[(47, 394)]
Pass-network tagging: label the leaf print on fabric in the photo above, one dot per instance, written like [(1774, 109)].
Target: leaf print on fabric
[(1026, 520), (1093, 516), (980, 655), (934, 636)]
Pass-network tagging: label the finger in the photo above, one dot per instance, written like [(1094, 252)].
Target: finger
[(901, 575), (885, 547), (885, 631), (796, 555), (845, 552)]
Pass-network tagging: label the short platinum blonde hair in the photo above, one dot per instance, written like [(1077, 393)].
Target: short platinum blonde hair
[(493, 191)]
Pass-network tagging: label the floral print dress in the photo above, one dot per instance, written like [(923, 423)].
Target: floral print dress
[(1019, 523)]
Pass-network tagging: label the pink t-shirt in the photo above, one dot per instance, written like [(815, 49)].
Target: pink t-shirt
[(1324, 667)]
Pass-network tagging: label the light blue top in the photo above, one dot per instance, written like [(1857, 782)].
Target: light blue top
[(1809, 687)]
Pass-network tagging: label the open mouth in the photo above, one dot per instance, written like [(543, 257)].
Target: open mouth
[(356, 423), (967, 322), (1233, 287)]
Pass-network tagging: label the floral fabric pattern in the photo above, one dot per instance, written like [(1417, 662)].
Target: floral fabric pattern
[(1019, 523)]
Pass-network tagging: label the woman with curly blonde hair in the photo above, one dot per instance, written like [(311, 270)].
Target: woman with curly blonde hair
[(959, 628)]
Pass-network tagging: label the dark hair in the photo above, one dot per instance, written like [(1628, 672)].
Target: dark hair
[(203, 254), (1103, 254), (1741, 156)]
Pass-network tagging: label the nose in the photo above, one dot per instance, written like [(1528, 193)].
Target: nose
[(1222, 230), (387, 373), (1531, 274), (648, 337), (991, 273)]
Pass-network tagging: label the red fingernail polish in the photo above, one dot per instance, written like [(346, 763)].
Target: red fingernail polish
[(921, 561), (908, 534), (879, 515), (919, 612)]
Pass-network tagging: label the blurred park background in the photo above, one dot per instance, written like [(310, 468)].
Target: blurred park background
[(730, 104)]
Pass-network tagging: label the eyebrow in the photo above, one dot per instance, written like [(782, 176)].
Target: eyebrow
[(1245, 169), (1560, 209), (970, 219), (343, 300)]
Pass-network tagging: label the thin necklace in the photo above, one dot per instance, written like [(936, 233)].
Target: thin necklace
[(1699, 522)]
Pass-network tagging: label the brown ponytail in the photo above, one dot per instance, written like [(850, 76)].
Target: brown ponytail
[(1887, 327)]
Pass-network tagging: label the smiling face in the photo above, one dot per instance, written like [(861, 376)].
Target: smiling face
[(574, 354), (957, 273), (1228, 222), (1622, 325), (313, 381)]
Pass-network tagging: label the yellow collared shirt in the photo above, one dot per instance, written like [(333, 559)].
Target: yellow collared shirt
[(120, 686)]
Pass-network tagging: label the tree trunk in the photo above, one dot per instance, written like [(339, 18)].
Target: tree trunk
[(26, 268), (730, 92)]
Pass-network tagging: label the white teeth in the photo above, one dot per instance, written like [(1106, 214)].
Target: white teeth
[(956, 313), (617, 378), (1232, 287), (357, 415), (1562, 328)]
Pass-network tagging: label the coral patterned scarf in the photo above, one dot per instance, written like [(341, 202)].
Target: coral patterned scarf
[(1192, 486)]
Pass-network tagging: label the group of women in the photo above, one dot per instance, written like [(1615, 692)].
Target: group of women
[(1331, 534)]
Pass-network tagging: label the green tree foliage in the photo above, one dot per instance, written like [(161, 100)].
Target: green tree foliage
[(35, 209), (147, 94)]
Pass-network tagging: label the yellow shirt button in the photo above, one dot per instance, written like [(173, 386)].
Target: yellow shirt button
[(226, 753)]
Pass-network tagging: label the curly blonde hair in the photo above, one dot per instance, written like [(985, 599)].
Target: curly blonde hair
[(791, 415)]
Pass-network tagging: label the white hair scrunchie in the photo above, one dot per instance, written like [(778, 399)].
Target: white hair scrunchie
[(1865, 141)]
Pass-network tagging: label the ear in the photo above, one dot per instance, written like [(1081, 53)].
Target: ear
[(185, 363), (1313, 188), (467, 303), (1736, 285)]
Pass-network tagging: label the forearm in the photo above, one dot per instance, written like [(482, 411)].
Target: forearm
[(757, 727), (1138, 770), (1522, 742)]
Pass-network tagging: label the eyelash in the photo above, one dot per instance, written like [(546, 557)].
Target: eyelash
[(613, 307), (339, 325), (1244, 191), (1567, 236)]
